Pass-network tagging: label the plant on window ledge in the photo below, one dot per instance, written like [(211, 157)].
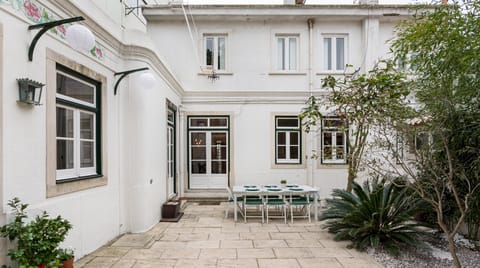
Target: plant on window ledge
[(36, 241)]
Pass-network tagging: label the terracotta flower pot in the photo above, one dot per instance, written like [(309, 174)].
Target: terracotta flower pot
[(41, 265), (68, 263)]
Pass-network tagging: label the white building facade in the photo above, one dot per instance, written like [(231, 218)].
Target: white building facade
[(107, 162)]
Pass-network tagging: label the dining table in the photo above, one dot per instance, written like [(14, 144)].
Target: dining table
[(273, 189)]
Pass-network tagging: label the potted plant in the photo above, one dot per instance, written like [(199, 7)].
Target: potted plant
[(66, 256), (36, 241), (283, 182)]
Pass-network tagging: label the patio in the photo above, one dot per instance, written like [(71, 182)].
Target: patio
[(203, 238)]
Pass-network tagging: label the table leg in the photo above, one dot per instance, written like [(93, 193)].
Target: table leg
[(235, 208), (315, 202)]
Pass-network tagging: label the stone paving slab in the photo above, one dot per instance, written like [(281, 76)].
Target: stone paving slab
[(203, 238)]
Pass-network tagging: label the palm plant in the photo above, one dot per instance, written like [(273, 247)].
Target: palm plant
[(379, 214)]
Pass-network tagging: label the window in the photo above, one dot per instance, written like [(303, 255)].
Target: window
[(171, 149), (77, 126), (334, 48), (334, 141), (287, 140), (215, 51), (287, 53)]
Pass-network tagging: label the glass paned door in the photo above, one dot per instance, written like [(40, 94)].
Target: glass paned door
[(208, 159), (171, 160)]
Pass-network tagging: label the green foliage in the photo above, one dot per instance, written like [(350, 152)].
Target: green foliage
[(65, 254), (364, 101), (444, 45), (310, 115), (37, 240), (379, 214)]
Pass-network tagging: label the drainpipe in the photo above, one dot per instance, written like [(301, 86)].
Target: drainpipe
[(310, 162)]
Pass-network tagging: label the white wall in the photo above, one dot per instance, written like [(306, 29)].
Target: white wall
[(135, 127)]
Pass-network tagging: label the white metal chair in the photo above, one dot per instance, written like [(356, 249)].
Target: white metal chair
[(231, 200), (255, 201), (301, 203), (277, 202)]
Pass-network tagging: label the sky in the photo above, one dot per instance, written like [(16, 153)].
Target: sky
[(281, 1)]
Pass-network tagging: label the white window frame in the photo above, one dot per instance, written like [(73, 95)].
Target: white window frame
[(77, 171), (333, 54), (214, 65), (283, 59), (334, 131), (288, 131)]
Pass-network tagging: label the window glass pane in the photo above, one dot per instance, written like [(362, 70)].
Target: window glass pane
[(293, 53), (219, 138), (198, 122), (281, 53), (64, 123), (209, 51), (87, 154), (64, 154), (293, 152), (219, 167), (171, 117), (221, 53), (327, 54), (219, 152), (340, 153), (198, 139), (327, 138), (199, 167), (75, 89), (281, 138), (294, 138), (218, 122), (340, 139), (199, 153), (281, 152), (334, 123), (86, 126), (287, 122), (327, 152), (340, 53)]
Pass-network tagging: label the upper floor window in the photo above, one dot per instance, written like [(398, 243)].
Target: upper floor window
[(287, 47), (334, 52), (215, 51), (77, 126), (334, 141), (287, 140)]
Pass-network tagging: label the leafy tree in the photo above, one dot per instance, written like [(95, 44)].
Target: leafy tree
[(442, 45), (364, 101)]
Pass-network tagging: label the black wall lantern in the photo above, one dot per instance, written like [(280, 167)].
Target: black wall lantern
[(29, 91)]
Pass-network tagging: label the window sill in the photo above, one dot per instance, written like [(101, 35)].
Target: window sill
[(217, 73), (341, 72), (332, 166), (286, 73), (67, 186), (96, 176), (288, 166)]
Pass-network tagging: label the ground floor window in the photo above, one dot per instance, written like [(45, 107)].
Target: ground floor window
[(208, 143), (334, 140), (78, 117), (287, 140)]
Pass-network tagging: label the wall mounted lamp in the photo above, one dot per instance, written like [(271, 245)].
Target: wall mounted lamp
[(145, 80), (29, 91), (213, 76), (78, 36)]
